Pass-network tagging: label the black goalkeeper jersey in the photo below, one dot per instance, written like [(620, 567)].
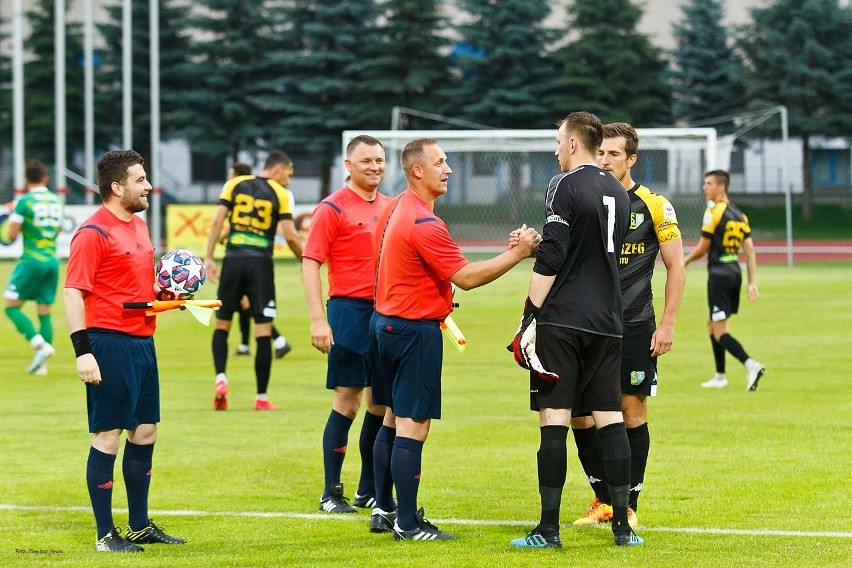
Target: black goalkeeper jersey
[(594, 207)]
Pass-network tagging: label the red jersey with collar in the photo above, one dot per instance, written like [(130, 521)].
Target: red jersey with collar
[(416, 258), (112, 262), (343, 227)]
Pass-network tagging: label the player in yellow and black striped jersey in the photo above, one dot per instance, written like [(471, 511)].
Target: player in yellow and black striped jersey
[(724, 231), (653, 230), (257, 207)]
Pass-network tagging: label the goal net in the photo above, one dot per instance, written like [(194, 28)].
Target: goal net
[(500, 176)]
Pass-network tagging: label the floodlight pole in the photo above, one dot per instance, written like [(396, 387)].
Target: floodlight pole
[(785, 179), (127, 74), (154, 173), (89, 96), (59, 129), (18, 94)]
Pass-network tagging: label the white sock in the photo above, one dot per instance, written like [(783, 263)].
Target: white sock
[(721, 377), (221, 378), (262, 396), (37, 341), (279, 342)]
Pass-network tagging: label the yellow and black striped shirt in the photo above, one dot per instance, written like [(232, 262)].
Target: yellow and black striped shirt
[(726, 227), (255, 205), (652, 222)]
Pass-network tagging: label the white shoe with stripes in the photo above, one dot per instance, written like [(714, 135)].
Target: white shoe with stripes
[(424, 531)]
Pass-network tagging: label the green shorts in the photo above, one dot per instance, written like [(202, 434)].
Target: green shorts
[(35, 281)]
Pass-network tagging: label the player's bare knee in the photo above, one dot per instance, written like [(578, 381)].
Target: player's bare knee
[(347, 401)]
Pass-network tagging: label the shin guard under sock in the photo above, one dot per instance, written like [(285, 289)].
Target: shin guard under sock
[(136, 467), (334, 440), (552, 460), (99, 472), (369, 430)]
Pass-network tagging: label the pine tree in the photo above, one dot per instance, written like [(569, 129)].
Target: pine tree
[(799, 54), (611, 69), (174, 50), (704, 76), (229, 55), (325, 49), (39, 84), (406, 67), (505, 72)]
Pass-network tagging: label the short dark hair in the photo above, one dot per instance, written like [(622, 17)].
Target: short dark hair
[(623, 130), (362, 139), (413, 152), (722, 178), (586, 127), (241, 169), (35, 172), (113, 166), (276, 157)]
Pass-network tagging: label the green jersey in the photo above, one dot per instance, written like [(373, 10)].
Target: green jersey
[(40, 214)]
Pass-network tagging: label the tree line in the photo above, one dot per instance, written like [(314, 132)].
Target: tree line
[(259, 74)]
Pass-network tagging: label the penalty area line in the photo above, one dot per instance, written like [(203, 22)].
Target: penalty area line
[(451, 521)]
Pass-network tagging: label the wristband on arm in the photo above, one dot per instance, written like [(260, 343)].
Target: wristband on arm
[(80, 340)]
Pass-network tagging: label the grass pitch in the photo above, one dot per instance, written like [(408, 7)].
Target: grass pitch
[(735, 478)]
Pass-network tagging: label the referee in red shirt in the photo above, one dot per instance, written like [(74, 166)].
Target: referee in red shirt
[(417, 264), (343, 227)]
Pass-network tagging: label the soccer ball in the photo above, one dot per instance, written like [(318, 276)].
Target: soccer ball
[(181, 272)]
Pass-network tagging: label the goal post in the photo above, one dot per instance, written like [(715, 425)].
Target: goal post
[(500, 176)]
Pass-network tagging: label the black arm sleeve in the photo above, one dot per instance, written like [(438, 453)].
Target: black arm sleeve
[(553, 249)]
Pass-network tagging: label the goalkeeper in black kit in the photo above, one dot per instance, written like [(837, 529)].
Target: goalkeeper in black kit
[(570, 334)]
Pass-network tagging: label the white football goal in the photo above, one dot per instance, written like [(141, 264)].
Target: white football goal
[(500, 176)]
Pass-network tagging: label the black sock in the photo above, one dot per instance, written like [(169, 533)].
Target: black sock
[(405, 463), (382, 450), (334, 440), (99, 470), (733, 347), (369, 429), (136, 467), (640, 445), (591, 458), (616, 456), (220, 350), (245, 327), (718, 355), (552, 459), (263, 363), (275, 334)]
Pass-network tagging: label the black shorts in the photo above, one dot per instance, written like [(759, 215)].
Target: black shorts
[(129, 392), (252, 276), (407, 357), (588, 366), (723, 292), (349, 359), (638, 368)]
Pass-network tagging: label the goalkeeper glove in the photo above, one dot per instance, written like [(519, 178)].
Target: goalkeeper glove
[(523, 344)]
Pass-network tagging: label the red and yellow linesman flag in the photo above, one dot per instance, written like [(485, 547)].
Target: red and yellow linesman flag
[(202, 310), (453, 333)]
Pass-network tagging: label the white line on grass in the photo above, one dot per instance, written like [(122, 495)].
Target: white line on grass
[(480, 522)]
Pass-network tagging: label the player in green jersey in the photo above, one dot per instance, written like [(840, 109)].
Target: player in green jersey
[(38, 218)]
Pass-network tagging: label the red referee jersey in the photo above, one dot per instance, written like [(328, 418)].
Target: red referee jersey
[(416, 258), (112, 262), (342, 229)]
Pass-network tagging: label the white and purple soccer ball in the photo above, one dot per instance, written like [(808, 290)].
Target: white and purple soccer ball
[(181, 272)]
